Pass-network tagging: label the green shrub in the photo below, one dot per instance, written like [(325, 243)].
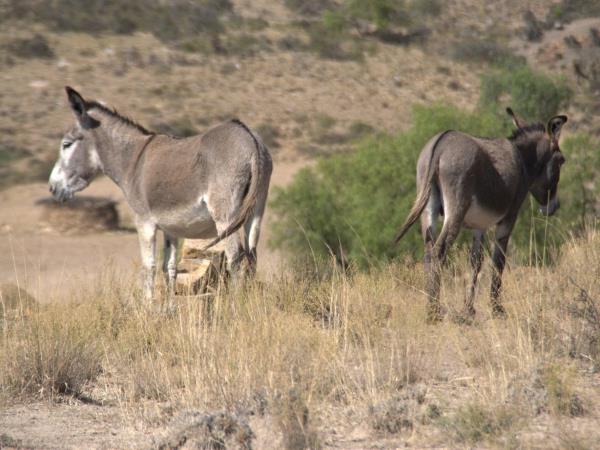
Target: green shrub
[(382, 13), (484, 50), (568, 10), (330, 39), (531, 94)]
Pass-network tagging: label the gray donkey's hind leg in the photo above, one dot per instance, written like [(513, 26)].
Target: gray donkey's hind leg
[(476, 259), (170, 263), (454, 214)]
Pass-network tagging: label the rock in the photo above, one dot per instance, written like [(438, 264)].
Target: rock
[(80, 215), (199, 270), (194, 248)]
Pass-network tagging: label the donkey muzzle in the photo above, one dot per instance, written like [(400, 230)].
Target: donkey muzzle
[(550, 208)]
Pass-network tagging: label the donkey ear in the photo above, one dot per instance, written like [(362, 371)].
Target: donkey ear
[(555, 126), (79, 107), (76, 101), (518, 121)]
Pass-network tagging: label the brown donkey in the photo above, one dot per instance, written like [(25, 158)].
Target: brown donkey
[(478, 183), (204, 186)]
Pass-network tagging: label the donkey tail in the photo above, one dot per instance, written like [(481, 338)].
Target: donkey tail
[(423, 194), (249, 201)]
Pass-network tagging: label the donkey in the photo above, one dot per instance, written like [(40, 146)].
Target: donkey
[(201, 187), (477, 183)]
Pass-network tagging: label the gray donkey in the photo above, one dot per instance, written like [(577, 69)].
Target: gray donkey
[(204, 186), (478, 183)]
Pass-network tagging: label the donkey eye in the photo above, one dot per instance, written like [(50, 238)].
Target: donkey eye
[(66, 144)]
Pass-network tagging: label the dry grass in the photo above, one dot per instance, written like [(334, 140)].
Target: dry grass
[(297, 349)]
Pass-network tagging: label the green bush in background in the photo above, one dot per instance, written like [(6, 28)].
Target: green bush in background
[(533, 95), (351, 205)]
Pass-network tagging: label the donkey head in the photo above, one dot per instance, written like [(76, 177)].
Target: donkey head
[(78, 160), (542, 157)]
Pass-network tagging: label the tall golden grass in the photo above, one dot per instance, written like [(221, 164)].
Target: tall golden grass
[(355, 342)]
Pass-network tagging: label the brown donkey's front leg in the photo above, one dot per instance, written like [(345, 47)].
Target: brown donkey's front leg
[(503, 231)]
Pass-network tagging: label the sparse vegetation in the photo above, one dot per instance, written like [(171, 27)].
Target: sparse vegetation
[(168, 21), (562, 400), (35, 47), (311, 8), (346, 343), (50, 353), (487, 50), (568, 10), (475, 422)]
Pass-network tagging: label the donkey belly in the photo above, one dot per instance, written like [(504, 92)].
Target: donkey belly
[(193, 222), (479, 217)]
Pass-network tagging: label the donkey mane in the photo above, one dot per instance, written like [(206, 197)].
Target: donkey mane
[(520, 134), (93, 104)]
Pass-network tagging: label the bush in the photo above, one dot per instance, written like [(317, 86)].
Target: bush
[(309, 8), (168, 21), (330, 40), (532, 95), (568, 10), (381, 13), (485, 50), (52, 353), (475, 422), (34, 47)]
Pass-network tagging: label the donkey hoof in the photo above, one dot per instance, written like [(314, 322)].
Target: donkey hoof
[(466, 317), (435, 315), (498, 312)]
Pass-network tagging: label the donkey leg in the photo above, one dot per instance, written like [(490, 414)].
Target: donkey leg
[(252, 232), (428, 226), (476, 259), (234, 252), (170, 262), (147, 239), (453, 219), (503, 231)]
